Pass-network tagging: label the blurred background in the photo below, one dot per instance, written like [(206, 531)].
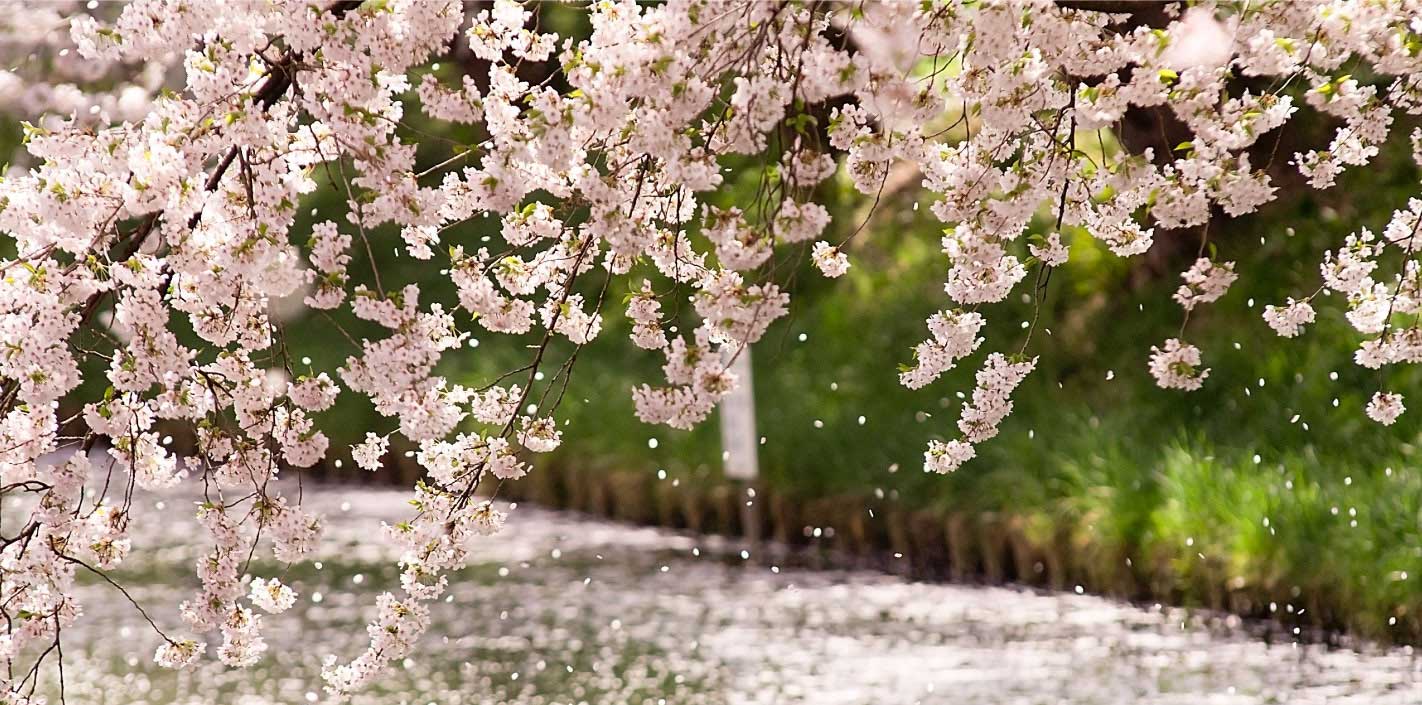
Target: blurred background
[(1271, 474), (1268, 492)]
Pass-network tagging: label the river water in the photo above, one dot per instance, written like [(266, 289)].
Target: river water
[(566, 609)]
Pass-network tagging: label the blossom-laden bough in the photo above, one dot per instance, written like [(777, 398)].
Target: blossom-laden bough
[(141, 219)]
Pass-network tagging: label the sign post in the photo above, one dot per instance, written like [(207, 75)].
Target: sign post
[(739, 443)]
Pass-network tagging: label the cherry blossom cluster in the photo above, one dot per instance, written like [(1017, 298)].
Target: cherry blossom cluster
[(991, 403), (46, 79), (157, 247)]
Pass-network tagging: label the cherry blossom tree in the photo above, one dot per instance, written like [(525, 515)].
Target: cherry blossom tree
[(151, 215)]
